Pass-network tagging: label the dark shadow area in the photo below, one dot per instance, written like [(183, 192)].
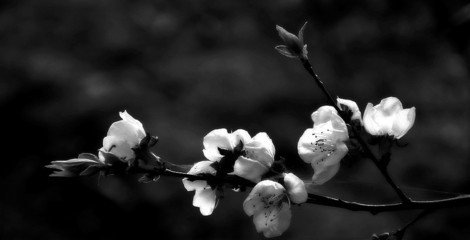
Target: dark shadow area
[(185, 68)]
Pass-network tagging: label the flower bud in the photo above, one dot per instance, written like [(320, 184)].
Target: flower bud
[(388, 118), (123, 136), (294, 45), (295, 188)]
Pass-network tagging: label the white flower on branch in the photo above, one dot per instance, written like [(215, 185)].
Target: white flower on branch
[(269, 204), (257, 152), (323, 145), (123, 136), (205, 197), (388, 118)]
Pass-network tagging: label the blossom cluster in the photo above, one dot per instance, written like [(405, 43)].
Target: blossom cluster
[(237, 154)]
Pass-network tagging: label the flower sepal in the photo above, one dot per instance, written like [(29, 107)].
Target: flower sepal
[(145, 155), (226, 163)]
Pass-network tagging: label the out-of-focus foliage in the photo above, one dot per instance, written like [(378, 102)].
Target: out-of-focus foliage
[(186, 67)]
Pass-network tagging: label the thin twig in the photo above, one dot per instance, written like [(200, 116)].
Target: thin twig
[(320, 84), (325, 200)]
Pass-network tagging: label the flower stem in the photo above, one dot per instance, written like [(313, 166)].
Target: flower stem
[(378, 208), (319, 199), (332, 101), (309, 68)]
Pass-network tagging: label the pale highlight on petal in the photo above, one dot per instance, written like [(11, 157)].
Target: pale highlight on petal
[(249, 169), (404, 121), (257, 158), (118, 147), (261, 148), (261, 194), (205, 197), (388, 118), (218, 138), (328, 114), (295, 188)]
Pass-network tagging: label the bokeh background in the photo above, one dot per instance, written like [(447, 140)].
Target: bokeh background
[(186, 67)]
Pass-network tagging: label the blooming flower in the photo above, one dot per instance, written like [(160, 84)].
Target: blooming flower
[(323, 145), (204, 197), (388, 118), (269, 204), (352, 106), (123, 136), (257, 153)]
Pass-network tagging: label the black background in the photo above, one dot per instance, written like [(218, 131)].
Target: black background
[(186, 67)]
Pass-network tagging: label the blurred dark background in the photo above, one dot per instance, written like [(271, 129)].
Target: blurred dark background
[(186, 67)]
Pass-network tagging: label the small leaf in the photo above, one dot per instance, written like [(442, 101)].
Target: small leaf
[(88, 156), (284, 50), (301, 33)]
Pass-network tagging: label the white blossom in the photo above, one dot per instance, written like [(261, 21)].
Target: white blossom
[(388, 118), (257, 153), (269, 204), (204, 197), (323, 145), (123, 136), (295, 188), (258, 157)]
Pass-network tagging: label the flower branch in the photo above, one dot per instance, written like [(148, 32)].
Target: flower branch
[(293, 44), (316, 199)]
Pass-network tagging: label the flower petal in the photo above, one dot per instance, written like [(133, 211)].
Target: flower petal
[(249, 169), (136, 123), (126, 131), (389, 106), (328, 114), (370, 124), (205, 199), (327, 167), (198, 168), (403, 122), (256, 200), (356, 113), (295, 188), (273, 221), (202, 167), (218, 138), (324, 174), (320, 142), (118, 147), (240, 135), (261, 148), (194, 185)]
